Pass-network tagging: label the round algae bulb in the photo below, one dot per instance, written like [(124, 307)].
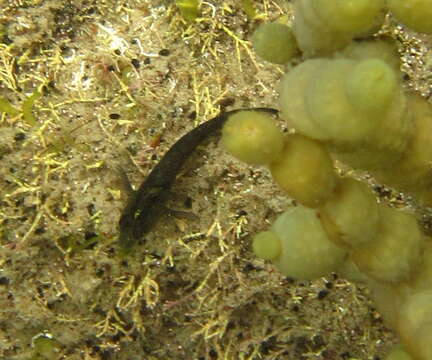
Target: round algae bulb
[(305, 171), (371, 85), (423, 275), (307, 253), (355, 16), (266, 245), (398, 353), (314, 37), (416, 14), (330, 107), (252, 137), (413, 169), (274, 42), (385, 50), (351, 215), (415, 324), (395, 252), (293, 88)]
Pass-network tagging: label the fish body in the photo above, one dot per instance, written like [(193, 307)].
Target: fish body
[(147, 204)]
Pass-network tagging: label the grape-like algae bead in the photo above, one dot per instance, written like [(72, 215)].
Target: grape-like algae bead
[(351, 215), (330, 106), (274, 42), (267, 245), (354, 16), (371, 85), (314, 37), (385, 50), (418, 154), (292, 97), (416, 14), (395, 252), (252, 137), (323, 26), (305, 171), (398, 354), (415, 324), (306, 253)]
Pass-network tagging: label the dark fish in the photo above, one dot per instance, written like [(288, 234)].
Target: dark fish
[(146, 205)]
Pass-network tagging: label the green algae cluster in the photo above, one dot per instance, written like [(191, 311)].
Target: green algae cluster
[(346, 101)]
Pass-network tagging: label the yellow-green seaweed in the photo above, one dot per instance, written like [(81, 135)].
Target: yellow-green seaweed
[(189, 9), (7, 107), (27, 107), (249, 9)]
